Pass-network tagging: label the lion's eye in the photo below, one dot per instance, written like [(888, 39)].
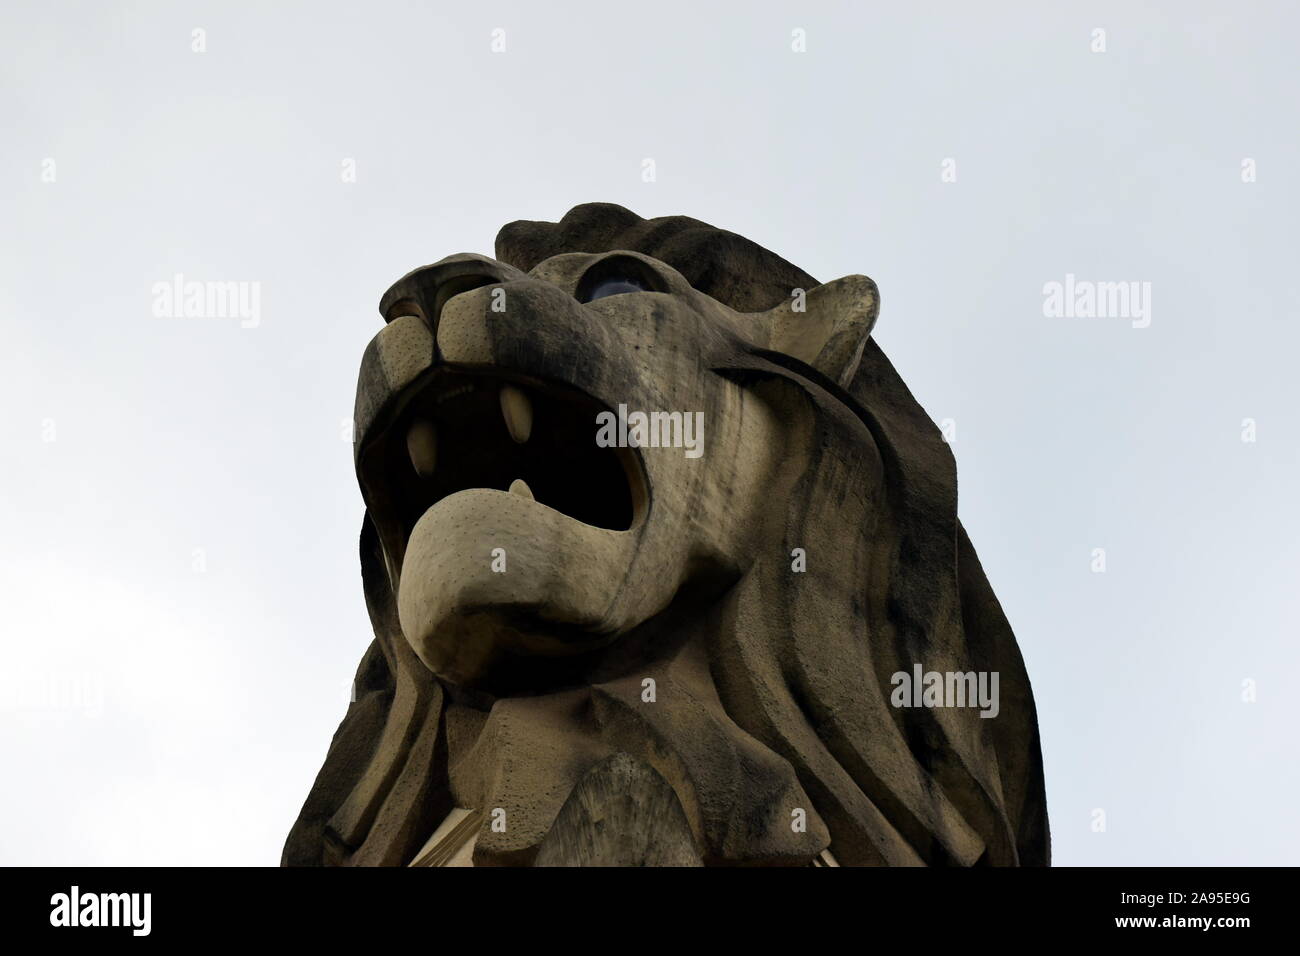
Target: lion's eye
[(613, 285)]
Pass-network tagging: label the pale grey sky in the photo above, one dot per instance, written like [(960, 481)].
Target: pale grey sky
[(180, 605)]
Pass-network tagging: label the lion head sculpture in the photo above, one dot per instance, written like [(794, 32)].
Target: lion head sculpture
[(652, 526)]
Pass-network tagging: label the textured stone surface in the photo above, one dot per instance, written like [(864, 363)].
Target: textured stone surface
[(621, 813), (528, 661)]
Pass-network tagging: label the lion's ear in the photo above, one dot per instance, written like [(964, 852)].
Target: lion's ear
[(826, 326)]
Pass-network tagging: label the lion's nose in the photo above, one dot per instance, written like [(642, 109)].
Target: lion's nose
[(426, 290)]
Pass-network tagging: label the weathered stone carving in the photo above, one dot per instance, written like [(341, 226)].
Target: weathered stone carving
[(635, 655)]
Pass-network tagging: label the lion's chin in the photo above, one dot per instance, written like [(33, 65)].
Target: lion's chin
[(493, 584), (505, 651)]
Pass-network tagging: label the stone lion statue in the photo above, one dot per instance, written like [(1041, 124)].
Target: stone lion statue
[(654, 534)]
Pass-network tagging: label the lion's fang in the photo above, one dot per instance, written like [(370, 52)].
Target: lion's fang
[(422, 446), (518, 412)]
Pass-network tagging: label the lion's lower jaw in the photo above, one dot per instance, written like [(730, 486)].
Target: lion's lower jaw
[(490, 580)]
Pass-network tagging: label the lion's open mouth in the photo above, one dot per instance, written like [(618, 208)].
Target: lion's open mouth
[(464, 430)]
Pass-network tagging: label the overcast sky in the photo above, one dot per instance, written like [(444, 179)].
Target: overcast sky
[(180, 603)]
